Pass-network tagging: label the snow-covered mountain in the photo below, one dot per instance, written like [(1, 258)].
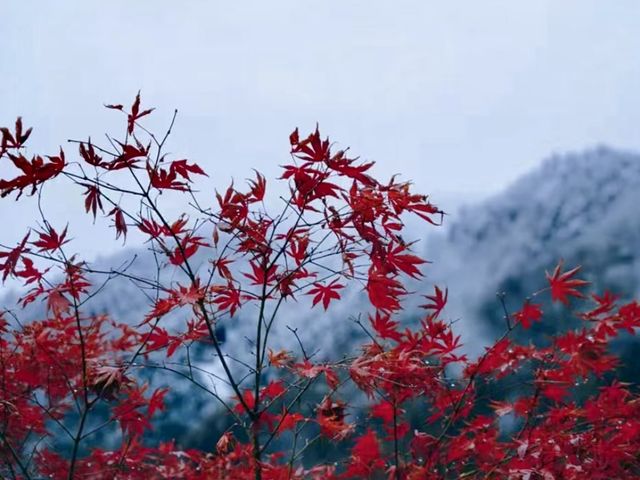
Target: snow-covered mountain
[(582, 207)]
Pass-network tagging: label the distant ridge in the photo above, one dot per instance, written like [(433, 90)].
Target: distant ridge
[(583, 207)]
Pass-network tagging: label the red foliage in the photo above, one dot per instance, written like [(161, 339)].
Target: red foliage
[(339, 231)]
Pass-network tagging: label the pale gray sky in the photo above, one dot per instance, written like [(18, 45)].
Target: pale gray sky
[(460, 96)]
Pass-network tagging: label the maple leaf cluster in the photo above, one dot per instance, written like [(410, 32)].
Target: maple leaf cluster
[(73, 375)]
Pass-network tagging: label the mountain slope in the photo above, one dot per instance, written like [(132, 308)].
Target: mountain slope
[(582, 207)]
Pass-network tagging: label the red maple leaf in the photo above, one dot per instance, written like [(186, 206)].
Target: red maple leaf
[(325, 293), (531, 312), (384, 291), (29, 272), (259, 276), (89, 154), (34, 172), (383, 411), (258, 188), (563, 285), (273, 389), (182, 168), (156, 401), (298, 246), (294, 138), (50, 239), (135, 113), (438, 301), (9, 265), (365, 456), (288, 420), (10, 140), (119, 222), (128, 157), (92, 201), (161, 178), (311, 149), (228, 298), (384, 326), (404, 262), (161, 307), (189, 245)]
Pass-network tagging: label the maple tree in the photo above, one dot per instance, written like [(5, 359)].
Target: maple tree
[(74, 374)]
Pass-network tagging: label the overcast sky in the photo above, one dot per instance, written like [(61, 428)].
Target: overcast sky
[(460, 96)]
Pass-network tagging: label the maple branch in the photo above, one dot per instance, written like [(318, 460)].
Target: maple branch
[(295, 334), (457, 407), (200, 302), (396, 455), (76, 443), (83, 353), (287, 411), (507, 317)]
